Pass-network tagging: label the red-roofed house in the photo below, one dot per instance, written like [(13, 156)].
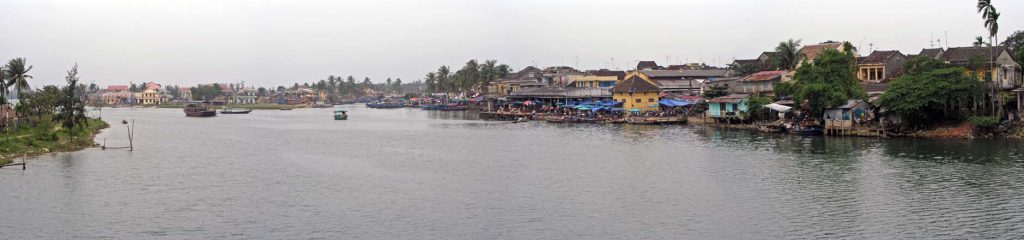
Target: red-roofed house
[(117, 88), (153, 86)]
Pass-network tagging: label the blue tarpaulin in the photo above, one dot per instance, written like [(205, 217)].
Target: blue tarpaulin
[(674, 103)]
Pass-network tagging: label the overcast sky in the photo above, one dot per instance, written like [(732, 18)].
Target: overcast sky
[(270, 43)]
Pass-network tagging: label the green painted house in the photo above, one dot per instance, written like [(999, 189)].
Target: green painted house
[(725, 107)]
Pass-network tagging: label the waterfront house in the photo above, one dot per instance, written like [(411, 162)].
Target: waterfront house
[(116, 98), (148, 97), (528, 77), (244, 96), (185, 94), (674, 81), (559, 75), (760, 83), (637, 92), (594, 81), (733, 106), (842, 119), (988, 64), (880, 66)]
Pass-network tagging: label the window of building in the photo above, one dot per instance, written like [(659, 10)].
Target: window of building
[(638, 100), (650, 100)]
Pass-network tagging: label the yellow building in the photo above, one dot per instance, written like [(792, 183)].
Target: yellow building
[(594, 81), (637, 92), (148, 97)]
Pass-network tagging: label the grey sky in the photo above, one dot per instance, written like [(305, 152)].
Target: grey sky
[(272, 43)]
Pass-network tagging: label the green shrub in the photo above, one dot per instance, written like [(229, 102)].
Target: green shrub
[(985, 122)]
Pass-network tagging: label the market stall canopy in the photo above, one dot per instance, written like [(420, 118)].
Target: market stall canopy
[(778, 107)]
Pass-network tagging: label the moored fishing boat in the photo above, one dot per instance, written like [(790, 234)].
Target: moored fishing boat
[(340, 115), (199, 109), (235, 111)]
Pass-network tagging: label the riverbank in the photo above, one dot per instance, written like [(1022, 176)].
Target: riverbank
[(46, 137), (249, 106)]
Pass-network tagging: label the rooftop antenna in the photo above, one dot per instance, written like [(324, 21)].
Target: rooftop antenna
[(931, 44), (947, 38)]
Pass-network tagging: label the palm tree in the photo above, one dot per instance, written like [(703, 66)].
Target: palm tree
[(443, 75), (980, 42), (991, 17), (431, 81), (789, 54), (16, 74), (3, 85)]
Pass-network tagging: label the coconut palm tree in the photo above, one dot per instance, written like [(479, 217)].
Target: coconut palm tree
[(789, 54), (991, 17), (980, 42), (16, 74), (3, 85)]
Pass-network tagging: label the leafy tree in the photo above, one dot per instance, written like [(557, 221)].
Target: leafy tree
[(1015, 45), (72, 108), (716, 90), (744, 69), (397, 85), (932, 92), (789, 54), (784, 88), (828, 82), (365, 85), (755, 106)]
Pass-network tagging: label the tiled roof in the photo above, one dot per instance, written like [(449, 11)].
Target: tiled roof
[(879, 57), (117, 87), (812, 51), (964, 54), (635, 83), (732, 98), (763, 76), (931, 52), (647, 65)]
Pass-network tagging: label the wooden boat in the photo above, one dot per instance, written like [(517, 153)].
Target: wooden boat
[(452, 107), (340, 115), (806, 130), (771, 128), (235, 111), (198, 109)]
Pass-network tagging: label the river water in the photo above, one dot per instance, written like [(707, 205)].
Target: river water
[(411, 174)]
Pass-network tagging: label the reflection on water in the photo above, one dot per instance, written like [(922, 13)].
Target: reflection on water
[(412, 174)]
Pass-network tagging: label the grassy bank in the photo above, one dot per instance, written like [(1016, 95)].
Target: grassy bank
[(249, 106), (44, 137)]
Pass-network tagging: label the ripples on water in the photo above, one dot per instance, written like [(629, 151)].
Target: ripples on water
[(410, 174)]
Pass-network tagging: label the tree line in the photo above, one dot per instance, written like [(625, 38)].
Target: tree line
[(471, 77)]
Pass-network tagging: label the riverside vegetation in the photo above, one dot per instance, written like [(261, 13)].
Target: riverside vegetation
[(42, 120)]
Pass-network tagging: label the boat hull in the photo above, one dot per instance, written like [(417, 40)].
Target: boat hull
[(236, 111), (201, 114)]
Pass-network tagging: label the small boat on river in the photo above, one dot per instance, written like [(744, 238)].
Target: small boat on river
[(340, 115), (199, 109), (235, 111)]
